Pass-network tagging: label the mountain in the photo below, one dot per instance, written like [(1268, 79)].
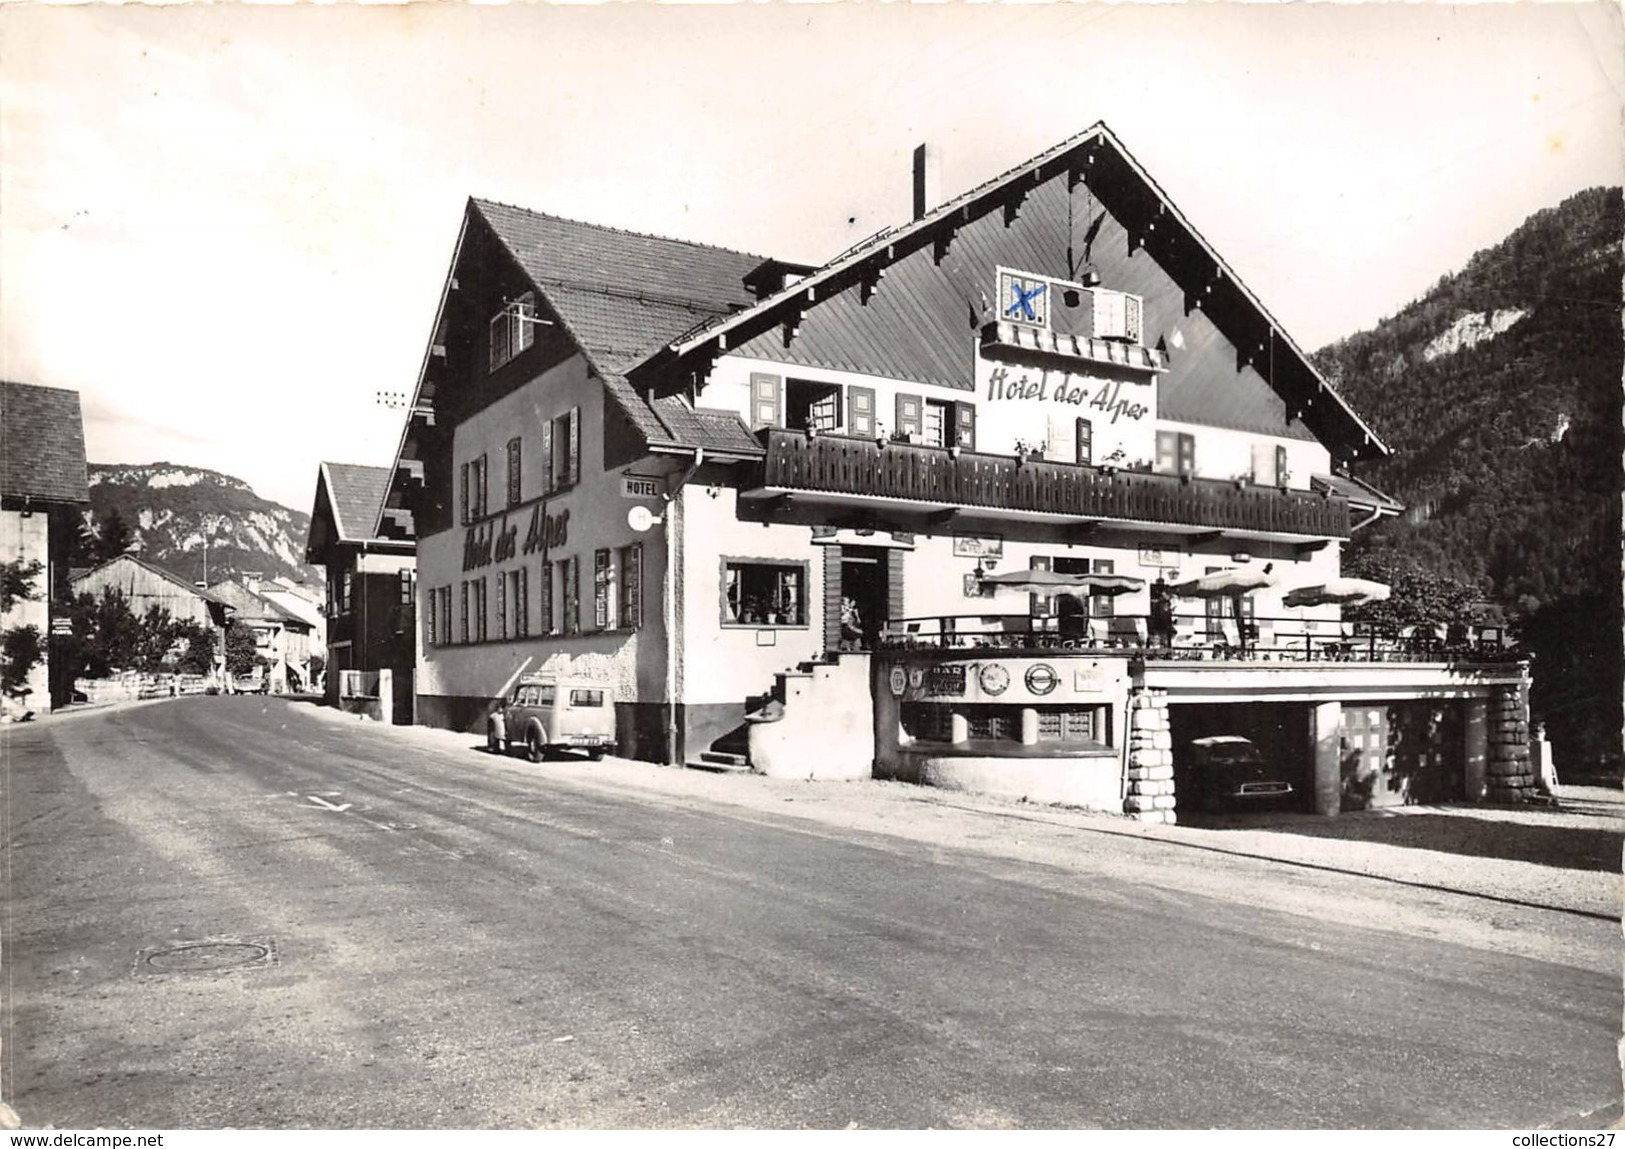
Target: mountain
[(1499, 391), (168, 510)]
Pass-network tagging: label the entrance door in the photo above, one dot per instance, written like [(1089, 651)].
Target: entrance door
[(862, 601)]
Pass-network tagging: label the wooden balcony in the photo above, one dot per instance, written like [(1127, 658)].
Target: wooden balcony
[(943, 477)]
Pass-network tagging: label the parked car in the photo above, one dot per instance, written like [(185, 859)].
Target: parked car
[(1230, 772), (549, 712)]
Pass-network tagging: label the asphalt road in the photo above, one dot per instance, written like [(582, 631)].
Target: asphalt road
[(455, 942)]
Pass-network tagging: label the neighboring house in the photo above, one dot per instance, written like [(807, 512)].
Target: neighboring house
[(281, 637), (306, 602), (145, 585), (43, 487), (922, 498), (370, 582)]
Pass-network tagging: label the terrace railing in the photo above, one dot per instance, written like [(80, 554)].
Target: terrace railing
[(943, 476)]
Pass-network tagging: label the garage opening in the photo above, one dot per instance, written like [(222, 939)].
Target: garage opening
[(1215, 774)]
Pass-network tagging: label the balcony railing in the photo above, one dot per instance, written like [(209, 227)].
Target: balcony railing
[(950, 477), (1195, 638)]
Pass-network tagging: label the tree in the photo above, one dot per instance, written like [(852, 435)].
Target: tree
[(198, 658), (113, 537), (20, 647), (17, 582), (1418, 596), (241, 648)]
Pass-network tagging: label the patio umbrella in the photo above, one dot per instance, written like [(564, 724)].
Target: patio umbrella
[(1233, 584), (1346, 591), (1055, 582)]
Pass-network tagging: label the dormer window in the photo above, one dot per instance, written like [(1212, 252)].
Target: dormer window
[(513, 329)]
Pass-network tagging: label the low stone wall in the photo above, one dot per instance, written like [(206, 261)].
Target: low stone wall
[(1087, 782), (1150, 795), (1511, 773)]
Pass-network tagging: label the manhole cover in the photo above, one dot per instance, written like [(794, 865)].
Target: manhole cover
[(203, 957)]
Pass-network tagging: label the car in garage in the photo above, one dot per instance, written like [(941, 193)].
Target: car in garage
[(545, 713), (1229, 772)]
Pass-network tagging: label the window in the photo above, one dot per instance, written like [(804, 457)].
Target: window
[(965, 425), (1086, 442), (513, 329), (631, 583), (561, 451), (765, 400), (513, 471), (812, 406), (570, 593), (544, 621), (860, 406), (1176, 453), (937, 421), (1117, 315), (603, 589), (763, 593), (408, 580), (479, 609), (1100, 605), (519, 600), (346, 589), (587, 698)]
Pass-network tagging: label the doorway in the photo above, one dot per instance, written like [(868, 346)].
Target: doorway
[(861, 604)]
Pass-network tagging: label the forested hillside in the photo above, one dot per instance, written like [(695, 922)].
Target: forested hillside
[(1499, 392)]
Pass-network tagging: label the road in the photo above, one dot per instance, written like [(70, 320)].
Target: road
[(457, 941)]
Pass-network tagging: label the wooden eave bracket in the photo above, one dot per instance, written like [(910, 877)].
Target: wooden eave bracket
[(1311, 547), (1207, 537), (940, 245), (869, 282)]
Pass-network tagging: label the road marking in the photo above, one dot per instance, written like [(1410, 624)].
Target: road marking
[(326, 805)]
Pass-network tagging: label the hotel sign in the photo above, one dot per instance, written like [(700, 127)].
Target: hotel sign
[(497, 540), (1111, 398)]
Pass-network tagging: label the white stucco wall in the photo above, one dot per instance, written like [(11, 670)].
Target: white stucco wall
[(1225, 454), (632, 661), (26, 538)]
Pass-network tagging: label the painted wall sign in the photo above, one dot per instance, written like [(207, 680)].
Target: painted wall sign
[(1089, 679), (1154, 556), (978, 546), (898, 680), (1107, 399), (639, 487), (948, 681), (497, 540)]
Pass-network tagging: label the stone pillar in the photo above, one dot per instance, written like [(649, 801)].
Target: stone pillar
[(1475, 751), (1150, 759), (1326, 743), (1510, 775)]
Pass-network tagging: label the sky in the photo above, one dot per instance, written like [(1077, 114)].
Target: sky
[(228, 227)]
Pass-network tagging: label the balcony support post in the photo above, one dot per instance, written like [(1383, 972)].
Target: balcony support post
[(1325, 722)]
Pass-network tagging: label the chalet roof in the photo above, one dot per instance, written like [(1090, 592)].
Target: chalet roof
[(355, 493), (248, 604), (621, 295), (162, 572), (1359, 493), (42, 444), (1156, 226)]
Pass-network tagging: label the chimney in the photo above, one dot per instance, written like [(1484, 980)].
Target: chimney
[(251, 579), (927, 180)]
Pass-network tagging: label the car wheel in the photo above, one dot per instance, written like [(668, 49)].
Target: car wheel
[(597, 753), (534, 749)]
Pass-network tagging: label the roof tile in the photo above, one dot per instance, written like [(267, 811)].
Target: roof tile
[(42, 444)]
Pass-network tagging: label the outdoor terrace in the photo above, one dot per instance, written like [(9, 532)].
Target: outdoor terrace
[(936, 479)]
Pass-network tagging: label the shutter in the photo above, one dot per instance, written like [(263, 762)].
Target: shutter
[(574, 476), (1056, 436), (1086, 442), (1167, 452), (766, 393), (544, 622), (499, 340), (513, 471), (632, 586), (600, 589), (965, 425), (832, 597), (1133, 316), (1282, 474), (910, 416), (463, 475), (431, 635), (525, 336), (502, 605), (860, 405), (465, 609), (894, 585), (484, 492), (1041, 605), (572, 594), (548, 486)]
